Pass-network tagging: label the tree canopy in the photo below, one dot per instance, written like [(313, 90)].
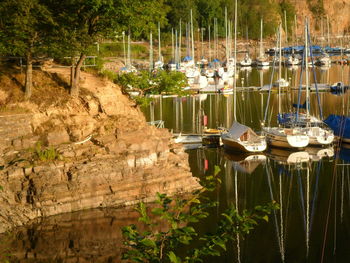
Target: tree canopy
[(32, 28)]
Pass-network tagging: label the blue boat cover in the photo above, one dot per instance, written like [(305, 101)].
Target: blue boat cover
[(339, 124), (187, 58), (344, 154), (300, 106)]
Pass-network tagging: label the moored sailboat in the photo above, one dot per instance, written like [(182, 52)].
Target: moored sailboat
[(240, 137), (262, 60)]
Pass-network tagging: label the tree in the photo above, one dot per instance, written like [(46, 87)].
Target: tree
[(141, 17), (181, 10), (81, 24), (23, 27)]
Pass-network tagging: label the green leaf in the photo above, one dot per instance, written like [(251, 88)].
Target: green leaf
[(220, 243), (173, 258), (216, 170), (266, 218), (157, 211), (227, 217), (148, 243)]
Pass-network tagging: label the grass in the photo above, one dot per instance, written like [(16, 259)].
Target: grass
[(116, 49), (46, 154)]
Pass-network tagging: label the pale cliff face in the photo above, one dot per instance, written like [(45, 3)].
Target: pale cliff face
[(337, 11)]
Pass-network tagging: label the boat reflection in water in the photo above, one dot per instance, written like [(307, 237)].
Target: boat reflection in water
[(245, 163)]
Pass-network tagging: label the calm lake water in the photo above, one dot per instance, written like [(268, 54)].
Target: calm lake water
[(312, 187)]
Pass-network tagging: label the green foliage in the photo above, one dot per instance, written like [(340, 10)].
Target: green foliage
[(142, 101), (179, 216), (140, 17), (45, 155), (23, 27), (290, 12), (158, 83), (316, 7)]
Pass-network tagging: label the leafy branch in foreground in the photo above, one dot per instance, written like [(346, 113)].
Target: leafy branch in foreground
[(169, 226)]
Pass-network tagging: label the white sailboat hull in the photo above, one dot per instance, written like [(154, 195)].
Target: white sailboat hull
[(277, 137), (319, 136), (241, 146)]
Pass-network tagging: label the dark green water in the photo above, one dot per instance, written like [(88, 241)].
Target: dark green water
[(312, 225)]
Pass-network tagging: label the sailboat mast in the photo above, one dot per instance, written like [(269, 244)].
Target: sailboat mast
[(261, 38), (159, 46), (150, 52), (209, 46), (125, 62), (234, 66), (180, 41), (176, 48), (172, 44), (295, 30), (328, 40), (280, 71), (226, 33), (192, 36), (306, 69), (285, 26), (280, 53), (129, 51)]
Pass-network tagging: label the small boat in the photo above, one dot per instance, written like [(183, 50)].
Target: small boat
[(324, 60), (247, 61), (262, 61), (338, 87), (243, 139), (292, 61)]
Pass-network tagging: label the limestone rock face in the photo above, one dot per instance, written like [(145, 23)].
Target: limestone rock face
[(108, 156)]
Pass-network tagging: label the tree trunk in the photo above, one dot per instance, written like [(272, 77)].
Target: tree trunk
[(72, 73), (75, 87), (29, 77)]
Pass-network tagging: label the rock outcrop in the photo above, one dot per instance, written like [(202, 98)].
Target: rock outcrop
[(105, 154)]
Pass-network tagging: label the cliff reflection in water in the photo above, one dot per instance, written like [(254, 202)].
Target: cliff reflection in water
[(86, 236)]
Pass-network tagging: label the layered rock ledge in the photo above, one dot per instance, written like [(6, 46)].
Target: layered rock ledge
[(108, 156)]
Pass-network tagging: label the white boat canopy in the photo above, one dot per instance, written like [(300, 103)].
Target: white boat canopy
[(237, 130)]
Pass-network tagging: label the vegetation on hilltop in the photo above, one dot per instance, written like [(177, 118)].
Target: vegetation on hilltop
[(69, 28)]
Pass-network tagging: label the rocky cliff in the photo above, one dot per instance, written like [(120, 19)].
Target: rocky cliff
[(318, 10), (104, 152)]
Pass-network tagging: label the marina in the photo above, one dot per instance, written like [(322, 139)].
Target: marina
[(175, 131)]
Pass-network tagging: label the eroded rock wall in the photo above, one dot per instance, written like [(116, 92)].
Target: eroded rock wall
[(108, 156)]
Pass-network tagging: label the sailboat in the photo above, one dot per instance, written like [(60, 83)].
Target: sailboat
[(262, 60), (128, 68), (240, 137), (159, 64), (318, 133), (247, 61), (281, 82), (285, 137)]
